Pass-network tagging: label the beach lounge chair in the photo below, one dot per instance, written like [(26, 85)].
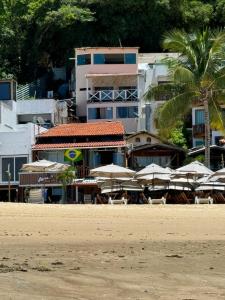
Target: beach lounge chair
[(157, 200), (117, 201), (205, 200)]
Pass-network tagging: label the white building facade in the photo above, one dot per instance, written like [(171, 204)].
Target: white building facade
[(107, 85)]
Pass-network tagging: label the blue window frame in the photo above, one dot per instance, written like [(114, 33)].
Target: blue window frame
[(83, 59), (130, 58), (95, 113), (5, 91), (124, 112), (99, 59), (199, 117)]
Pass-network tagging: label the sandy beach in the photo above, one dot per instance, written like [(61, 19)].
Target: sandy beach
[(112, 252)]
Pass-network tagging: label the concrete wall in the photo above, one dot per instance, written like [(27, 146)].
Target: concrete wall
[(130, 124), (8, 113), (18, 141), (36, 107), (81, 72)]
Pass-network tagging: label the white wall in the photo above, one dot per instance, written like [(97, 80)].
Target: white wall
[(8, 113), (150, 75), (36, 107), (130, 124)]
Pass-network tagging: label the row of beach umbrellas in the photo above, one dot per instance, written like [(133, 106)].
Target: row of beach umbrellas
[(195, 175)]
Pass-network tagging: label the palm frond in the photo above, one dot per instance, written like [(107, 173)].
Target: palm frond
[(174, 110), (217, 117)]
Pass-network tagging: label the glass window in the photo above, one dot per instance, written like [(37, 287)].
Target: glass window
[(199, 117), (99, 59), (13, 164), (143, 161), (199, 143), (7, 164), (127, 112), (19, 161), (95, 113), (130, 58), (84, 59), (5, 91), (109, 58)]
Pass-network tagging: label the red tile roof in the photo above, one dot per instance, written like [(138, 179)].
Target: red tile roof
[(85, 129), (79, 145)]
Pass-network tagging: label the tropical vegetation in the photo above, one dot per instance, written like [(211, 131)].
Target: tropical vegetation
[(197, 77), (65, 178), (38, 34)]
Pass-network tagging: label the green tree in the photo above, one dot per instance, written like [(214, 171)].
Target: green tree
[(66, 177), (197, 77), (177, 137)]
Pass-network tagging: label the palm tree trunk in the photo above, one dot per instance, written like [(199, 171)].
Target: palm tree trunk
[(207, 134)]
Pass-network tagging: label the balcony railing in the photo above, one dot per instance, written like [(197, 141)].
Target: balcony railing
[(82, 171), (114, 95), (199, 130)]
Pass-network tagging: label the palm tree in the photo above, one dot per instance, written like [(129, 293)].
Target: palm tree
[(66, 177), (197, 76)]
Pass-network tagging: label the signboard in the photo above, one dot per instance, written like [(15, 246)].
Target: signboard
[(73, 155)]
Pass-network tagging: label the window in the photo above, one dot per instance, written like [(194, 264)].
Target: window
[(127, 112), (199, 143), (99, 59), (143, 161), (199, 117), (137, 140), (95, 113), (84, 59), (13, 164), (5, 91), (148, 140), (115, 58), (130, 58)]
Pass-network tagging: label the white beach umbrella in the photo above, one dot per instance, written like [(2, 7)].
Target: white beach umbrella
[(131, 185), (195, 169), (218, 176), (44, 166), (209, 186), (152, 169), (112, 171)]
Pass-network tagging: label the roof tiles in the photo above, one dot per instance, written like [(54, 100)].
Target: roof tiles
[(85, 129), (79, 145)]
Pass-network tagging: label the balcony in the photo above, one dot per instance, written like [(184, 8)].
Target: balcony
[(82, 171), (198, 130), (113, 95)]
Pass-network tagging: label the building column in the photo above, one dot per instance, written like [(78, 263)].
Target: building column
[(87, 89)]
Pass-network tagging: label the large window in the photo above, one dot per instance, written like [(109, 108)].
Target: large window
[(5, 91), (84, 59), (127, 112), (143, 161), (115, 58), (199, 117), (13, 165), (95, 113)]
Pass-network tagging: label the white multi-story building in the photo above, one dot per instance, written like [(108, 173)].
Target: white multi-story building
[(152, 71), (107, 85), (17, 134)]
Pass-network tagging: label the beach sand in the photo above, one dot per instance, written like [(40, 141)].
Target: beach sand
[(112, 252)]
